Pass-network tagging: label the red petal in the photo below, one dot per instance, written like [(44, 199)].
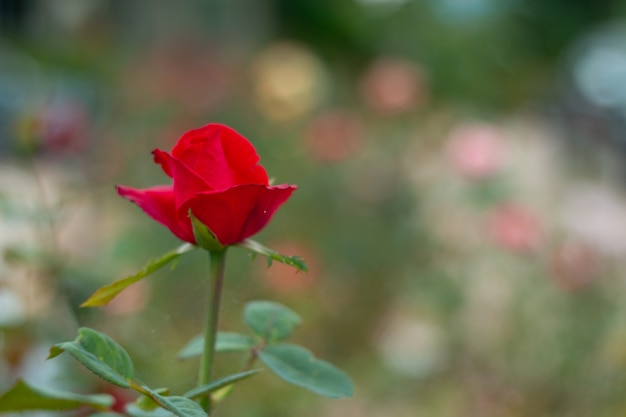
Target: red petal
[(239, 212), (186, 182), (221, 156), (158, 203)]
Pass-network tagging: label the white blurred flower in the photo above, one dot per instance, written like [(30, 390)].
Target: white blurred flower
[(11, 308), (596, 215), (412, 346), (599, 67)]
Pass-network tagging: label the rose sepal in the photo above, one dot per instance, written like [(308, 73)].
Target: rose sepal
[(104, 295), (205, 238), (271, 255)]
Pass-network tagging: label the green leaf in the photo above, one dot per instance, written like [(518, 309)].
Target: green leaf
[(298, 366), (233, 342), (295, 261), (146, 403), (219, 384), (100, 354), (226, 342), (104, 295), (134, 411), (221, 394), (24, 397), (181, 406), (205, 238), (269, 320)]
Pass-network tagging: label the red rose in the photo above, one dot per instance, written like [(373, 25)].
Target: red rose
[(216, 175)]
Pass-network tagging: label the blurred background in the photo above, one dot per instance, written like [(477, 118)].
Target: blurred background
[(461, 204)]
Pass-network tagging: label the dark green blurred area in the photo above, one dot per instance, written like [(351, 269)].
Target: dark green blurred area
[(460, 205)]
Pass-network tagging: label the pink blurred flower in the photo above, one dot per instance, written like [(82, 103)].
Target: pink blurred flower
[(59, 126), (63, 125), (393, 86), (514, 227), (334, 135), (475, 150)]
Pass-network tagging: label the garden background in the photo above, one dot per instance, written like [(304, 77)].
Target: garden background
[(461, 204)]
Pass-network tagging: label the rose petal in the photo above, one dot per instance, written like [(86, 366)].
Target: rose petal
[(159, 203), (221, 156), (239, 212), (186, 182)]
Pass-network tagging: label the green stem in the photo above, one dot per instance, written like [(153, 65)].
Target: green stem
[(217, 259)]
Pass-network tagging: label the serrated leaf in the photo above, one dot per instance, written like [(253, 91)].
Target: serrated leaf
[(298, 366), (219, 384), (100, 354), (226, 342), (24, 397), (205, 238), (104, 295), (270, 320), (295, 261), (181, 406)]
